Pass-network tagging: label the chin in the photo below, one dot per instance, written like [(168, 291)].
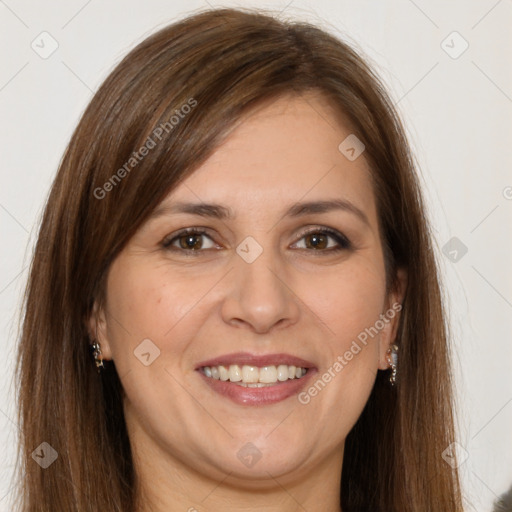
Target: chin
[(256, 464)]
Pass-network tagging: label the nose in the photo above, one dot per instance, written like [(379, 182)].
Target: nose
[(259, 297)]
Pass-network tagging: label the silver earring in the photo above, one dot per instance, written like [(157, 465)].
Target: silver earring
[(392, 358), (97, 355)]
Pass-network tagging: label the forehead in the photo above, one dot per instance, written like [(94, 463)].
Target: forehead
[(283, 152)]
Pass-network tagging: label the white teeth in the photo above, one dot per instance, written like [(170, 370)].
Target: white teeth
[(268, 374), (252, 376), (253, 384), (223, 372), (282, 372), (235, 373), (250, 373)]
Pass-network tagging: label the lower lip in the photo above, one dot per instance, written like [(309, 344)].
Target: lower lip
[(258, 396)]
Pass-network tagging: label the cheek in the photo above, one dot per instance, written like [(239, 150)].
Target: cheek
[(350, 303), (137, 306), (151, 302), (351, 300)]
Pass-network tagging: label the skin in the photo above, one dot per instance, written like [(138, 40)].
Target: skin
[(293, 298)]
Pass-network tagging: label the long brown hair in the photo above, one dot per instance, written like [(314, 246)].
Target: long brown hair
[(221, 63)]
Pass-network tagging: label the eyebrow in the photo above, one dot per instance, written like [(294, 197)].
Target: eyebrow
[(220, 212)]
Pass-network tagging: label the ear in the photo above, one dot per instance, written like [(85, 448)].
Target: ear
[(97, 327), (391, 317)]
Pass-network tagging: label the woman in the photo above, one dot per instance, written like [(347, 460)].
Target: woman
[(237, 242)]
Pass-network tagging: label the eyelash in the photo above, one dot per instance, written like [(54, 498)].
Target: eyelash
[(342, 241)]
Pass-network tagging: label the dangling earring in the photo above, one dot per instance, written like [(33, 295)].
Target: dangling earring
[(392, 358), (97, 353)]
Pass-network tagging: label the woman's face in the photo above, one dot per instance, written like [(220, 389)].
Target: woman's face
[(276, 281)]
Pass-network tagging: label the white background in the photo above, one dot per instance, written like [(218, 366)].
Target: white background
[(458, 114)]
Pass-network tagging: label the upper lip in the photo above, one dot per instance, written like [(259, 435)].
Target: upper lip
[(246, 358)]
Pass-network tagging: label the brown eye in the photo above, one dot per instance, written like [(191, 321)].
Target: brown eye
[(319, 240), (316, 241), (190, 241), (187, 240)]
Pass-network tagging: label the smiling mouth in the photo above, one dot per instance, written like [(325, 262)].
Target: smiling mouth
[(253, 376)]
